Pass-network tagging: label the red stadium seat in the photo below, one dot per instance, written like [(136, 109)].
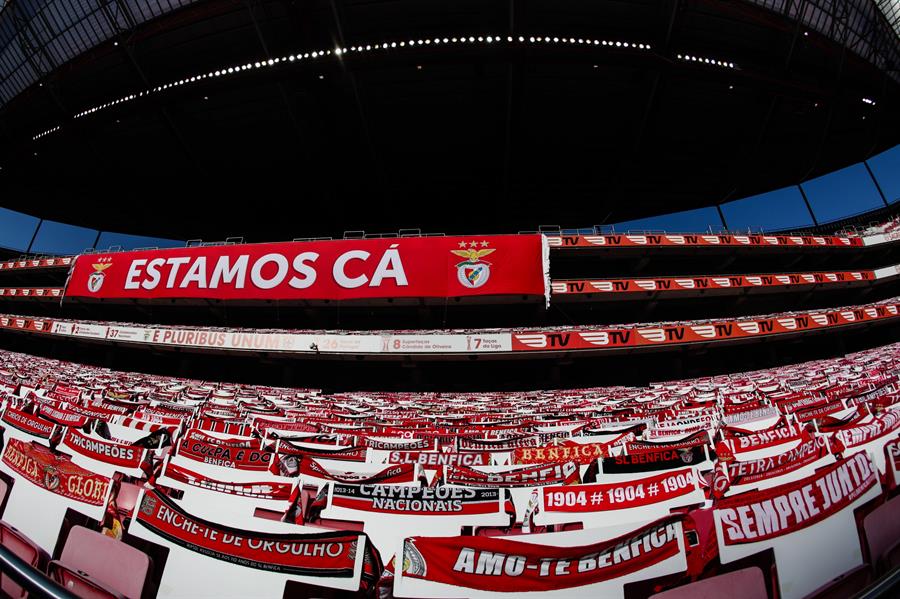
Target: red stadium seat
[(128, 494), (26, 549), (95, 565), (81, 584), (748, 583), (882, 530), (845, 585)]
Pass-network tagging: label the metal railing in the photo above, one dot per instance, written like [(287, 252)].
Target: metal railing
[(883, 588), (38, 584)]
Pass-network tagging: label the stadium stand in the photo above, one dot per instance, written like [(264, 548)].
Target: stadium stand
[(812, 444), (411, 300), (151, 485)]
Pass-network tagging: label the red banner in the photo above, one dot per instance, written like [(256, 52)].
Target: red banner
[(435, 459), (582, 453), (28, 423), (319, 270), (666, 284), (564, 473), (434, 501), (620, 495), (752, 440), (753, 471), (55, 473), (256, 490), (697, 240), (36, 263), (126, 456), (228, 457), (495, 564), (886, 424), (757, 516), (323, 554), (398, 474), (611, 338), (230, 442), (62, 416), (346, 454), (35, 292)]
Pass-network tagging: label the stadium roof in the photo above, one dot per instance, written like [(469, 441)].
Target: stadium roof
[(891, 10), (484, 135)]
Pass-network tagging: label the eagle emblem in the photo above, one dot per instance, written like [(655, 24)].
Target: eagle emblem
[(95, 281), (473, 271)]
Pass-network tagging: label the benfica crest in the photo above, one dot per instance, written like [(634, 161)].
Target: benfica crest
[(413, 560), (51, 478), (473, 272), (95, 281), (148, 505)]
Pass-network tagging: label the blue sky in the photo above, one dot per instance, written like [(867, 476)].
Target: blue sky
[(836, 195)]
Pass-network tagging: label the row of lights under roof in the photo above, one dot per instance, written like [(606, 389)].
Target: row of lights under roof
[(45, 133), (709, 61), (438, 41)]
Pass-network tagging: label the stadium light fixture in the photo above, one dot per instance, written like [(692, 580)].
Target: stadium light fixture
[(339, 51)]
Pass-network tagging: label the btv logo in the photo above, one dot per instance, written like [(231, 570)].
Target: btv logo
[(95, 281)]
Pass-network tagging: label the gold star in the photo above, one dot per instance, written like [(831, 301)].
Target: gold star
[(473, 244), (462, 244), (484, 244)]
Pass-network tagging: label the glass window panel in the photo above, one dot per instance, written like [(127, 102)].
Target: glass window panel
[(687, 221), (130, 242), (843, 193), (60, 238), (773, 211), (886, 168), (16, 229)]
